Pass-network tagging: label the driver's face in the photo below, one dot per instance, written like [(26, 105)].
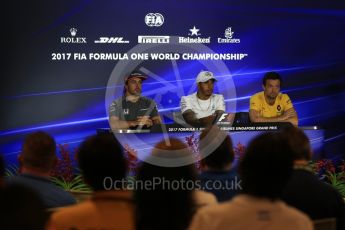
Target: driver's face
[(272, 88), (133, 86), (206, 88)]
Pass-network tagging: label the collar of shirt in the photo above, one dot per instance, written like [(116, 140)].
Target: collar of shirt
[(113, 195)]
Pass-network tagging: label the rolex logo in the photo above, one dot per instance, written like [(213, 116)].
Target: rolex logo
[(73, 38), (73, 31)]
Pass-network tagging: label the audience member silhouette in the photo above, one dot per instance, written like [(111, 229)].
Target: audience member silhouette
[(264, 170), (304, 190), (22, 208), (111, 206), (37, 160), (171, 202), (218, 176)]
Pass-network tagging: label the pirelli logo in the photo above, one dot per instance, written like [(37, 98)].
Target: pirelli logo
[(153, 39)]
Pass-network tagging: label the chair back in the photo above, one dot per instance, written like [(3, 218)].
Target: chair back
[(325, 224), (178, 118)]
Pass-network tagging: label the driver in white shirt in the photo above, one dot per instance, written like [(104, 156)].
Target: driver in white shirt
[(204, 107)]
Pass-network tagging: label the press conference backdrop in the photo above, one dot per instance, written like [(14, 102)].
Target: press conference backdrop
[(48, 84)]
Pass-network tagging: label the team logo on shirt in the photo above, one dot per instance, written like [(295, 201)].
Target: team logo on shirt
[(279, 107), (125, 111)]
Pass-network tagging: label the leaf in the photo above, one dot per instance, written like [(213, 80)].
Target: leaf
[(337, 181), (76, 184), (11, 170)]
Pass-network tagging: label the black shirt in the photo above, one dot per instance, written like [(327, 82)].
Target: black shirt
[(130, 111), (223, 184), (316, 198), (51, 195)]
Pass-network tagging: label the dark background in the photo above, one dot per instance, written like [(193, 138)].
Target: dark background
[(303, 41)]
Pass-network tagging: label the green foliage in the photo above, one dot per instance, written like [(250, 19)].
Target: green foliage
[(75, 185), (11, 170), (330, 172), (337, 180)]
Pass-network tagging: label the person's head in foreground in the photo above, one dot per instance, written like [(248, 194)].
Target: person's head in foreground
[(299, 143), (38, 154), (218, 148), (167, 204), (100, 158), (266, 166)]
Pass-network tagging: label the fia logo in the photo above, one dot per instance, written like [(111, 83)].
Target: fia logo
[(125, 111), (154, 19)]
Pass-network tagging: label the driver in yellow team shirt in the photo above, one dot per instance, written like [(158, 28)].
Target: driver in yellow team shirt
[(270, 105)]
